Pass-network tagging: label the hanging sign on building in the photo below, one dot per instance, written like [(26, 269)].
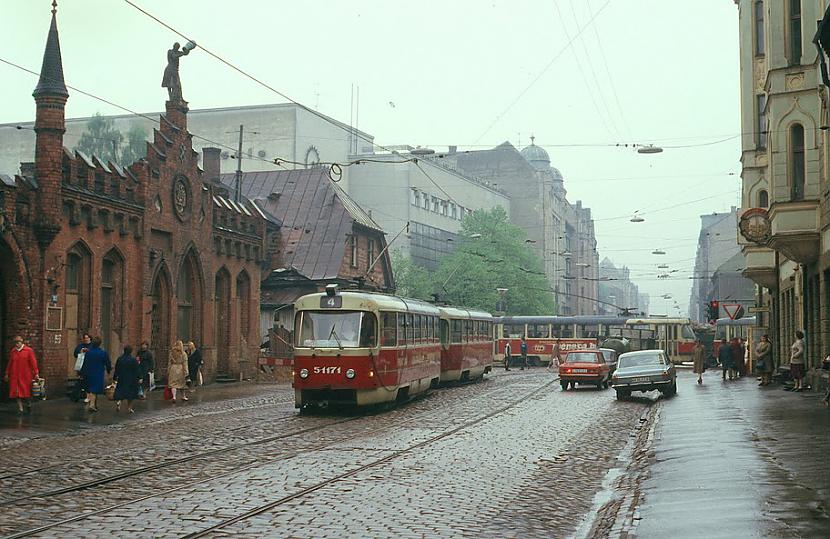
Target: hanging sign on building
[(755, 225)]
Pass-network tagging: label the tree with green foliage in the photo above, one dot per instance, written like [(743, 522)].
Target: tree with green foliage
[(411, 281), (135, 147), (102, 139), (491, 253)]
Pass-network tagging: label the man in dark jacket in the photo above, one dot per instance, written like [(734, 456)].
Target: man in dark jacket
[(726, 359), (523, 348), (146, 363)]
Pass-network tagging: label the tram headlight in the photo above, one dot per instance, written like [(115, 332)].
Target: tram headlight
[(304, 373), (350, 374)]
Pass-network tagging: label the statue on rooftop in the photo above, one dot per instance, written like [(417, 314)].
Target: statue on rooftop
[(171, 79)]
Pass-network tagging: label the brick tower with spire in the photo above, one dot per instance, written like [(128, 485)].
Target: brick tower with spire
[(50, 96)]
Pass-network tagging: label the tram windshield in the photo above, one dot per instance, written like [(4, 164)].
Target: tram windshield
[(341, 329)]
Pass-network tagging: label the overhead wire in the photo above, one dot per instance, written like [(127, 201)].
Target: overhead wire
[(542, 72)]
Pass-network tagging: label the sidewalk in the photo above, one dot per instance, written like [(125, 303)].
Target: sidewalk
[(62, 415), (731, 459)]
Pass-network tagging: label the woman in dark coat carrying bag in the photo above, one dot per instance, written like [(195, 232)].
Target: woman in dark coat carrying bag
[(96, 362), (128, 379)]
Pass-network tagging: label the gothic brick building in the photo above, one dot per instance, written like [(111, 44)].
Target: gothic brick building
[(151, 251)]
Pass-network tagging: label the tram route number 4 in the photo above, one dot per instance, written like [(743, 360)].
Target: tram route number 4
[(733, 310)]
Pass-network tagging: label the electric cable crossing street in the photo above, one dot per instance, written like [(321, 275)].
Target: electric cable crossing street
[(392, 286)]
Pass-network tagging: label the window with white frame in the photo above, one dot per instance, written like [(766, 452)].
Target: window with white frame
[(453, 210), (416, 197), (353, 250), (435, 204)]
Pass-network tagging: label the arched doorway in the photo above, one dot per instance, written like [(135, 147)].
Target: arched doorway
[(15, 302), (160, 340), (222, 325), (189, 300)]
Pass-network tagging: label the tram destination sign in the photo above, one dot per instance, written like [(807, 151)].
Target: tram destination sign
[(331, 302)]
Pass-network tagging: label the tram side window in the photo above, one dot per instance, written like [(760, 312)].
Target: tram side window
[(401, 329), (389, 323), (432, 321), (445, 331), (455, 334), (514, 331), (468, 331), (538, 331), (417, 329), (368, 331), (410, 330)]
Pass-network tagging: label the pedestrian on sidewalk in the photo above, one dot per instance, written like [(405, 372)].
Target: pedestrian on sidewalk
[(523, 348), (194, 363), (797, 361), (82, 348), (127, 378), (825, 365), (96, 364), (726, 359), (507, 356), (699, 358), (763, 360), (20, 372), (738, 352), (148, 366), (177, 370)]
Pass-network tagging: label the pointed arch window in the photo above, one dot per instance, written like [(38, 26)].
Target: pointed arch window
[(188, 296), (78, 288), (763, 198), (112, 296), (243, 295), (797, 162)]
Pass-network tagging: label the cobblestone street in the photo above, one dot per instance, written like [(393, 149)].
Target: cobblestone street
[(513, 456)]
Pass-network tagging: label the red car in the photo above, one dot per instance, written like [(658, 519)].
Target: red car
[(585, 367)]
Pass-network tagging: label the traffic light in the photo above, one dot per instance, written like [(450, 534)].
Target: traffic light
[(713, 311)]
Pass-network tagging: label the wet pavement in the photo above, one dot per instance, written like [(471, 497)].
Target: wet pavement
[(731, 459), (513, 456)]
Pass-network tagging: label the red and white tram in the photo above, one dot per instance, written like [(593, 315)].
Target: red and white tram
[(357, 348), (466, 344)]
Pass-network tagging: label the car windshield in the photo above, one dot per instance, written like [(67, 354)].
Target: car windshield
[(640, 360), (342, 329), (581, 357)]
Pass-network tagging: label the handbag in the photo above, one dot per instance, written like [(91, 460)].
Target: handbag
[(39, 388), (168, 393), (141, 391), (109, 391), (79, 362), (152, 381), (201, 380)]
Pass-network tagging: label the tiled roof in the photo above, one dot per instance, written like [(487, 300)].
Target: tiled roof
[(317, 216), (51, 71)]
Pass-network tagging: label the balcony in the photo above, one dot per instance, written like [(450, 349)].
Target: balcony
[(795, 230), (760, 265)]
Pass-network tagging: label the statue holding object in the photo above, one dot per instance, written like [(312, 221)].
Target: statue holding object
[(171, 79)]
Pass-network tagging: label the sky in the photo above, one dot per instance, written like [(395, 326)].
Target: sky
[(585, 77)]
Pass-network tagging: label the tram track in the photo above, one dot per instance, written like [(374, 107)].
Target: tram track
[(144, 469), (377, 462), (243, 467)]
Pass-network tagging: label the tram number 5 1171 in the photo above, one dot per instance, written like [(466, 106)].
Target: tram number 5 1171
[(326, 370)]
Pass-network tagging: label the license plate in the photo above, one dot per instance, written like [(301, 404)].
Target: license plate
[(580, 370), (640, 380)]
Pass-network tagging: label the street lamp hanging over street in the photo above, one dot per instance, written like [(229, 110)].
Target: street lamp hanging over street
[(658, 252), (637, 218), (649, 148)]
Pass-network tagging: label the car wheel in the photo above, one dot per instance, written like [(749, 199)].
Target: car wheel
[(564, 385)]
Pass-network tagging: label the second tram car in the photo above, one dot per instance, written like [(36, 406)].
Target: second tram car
[(466, 344), (673, 335), (357, 348)]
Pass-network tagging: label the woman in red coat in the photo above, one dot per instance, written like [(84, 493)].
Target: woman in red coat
[(20, 372)]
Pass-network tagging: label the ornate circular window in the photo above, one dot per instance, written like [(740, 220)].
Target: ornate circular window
[(181, 197)]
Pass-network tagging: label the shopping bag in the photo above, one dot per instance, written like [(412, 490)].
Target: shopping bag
[(168, 393), (39, 388), (110, 391), (201, 380), (141, 391), (152, 381), (79, 362)]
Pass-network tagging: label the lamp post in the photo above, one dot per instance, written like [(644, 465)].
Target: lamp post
[(501, 307)]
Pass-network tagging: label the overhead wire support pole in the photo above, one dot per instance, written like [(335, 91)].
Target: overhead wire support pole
[(237, 192)]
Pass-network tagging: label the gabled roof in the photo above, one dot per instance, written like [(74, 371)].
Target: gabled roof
[(316, 215)]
